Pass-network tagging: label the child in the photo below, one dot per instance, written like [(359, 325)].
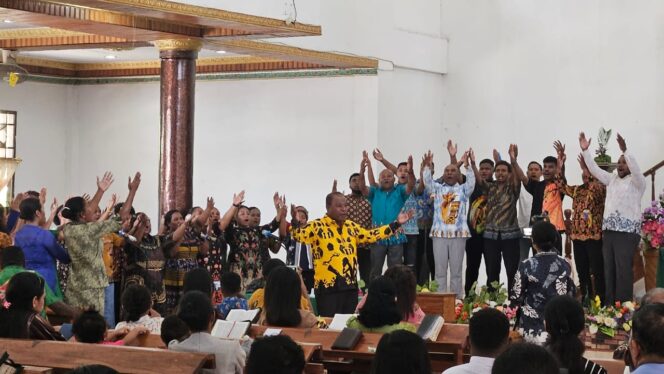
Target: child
[(90, 327), (231, 283), (173, 328), (136, 306)]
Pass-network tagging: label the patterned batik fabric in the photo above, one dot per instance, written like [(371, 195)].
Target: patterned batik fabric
[(501, 215), (450, 219), (587, 210), (175, 268), (248, 250), (145, 266), (538, 280)]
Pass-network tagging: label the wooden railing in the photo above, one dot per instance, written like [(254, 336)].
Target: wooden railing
[(651, 172)]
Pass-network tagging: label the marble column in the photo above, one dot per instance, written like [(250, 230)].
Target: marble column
[(176, 162)]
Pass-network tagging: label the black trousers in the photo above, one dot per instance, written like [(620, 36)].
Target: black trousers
[(508, 249), (308, 279), (331, 303), (618, 251), (364, 264), (474, 251), (424, 263), (589, 260)]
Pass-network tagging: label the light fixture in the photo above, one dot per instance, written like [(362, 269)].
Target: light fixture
[(110, 57), (8, 21), (221, 52)]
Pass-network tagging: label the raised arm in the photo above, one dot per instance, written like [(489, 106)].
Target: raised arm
[(419, 189), (637, 177), (102, 186), (334, 186), (51, 217), (227, 218), (202, 218), (370, 173), (603, 176), (366, 163), (410, 184), (562, 157), (452, 150), (125, 211), (471, 175), (425, 175), (368, 236), (108, 212), (378, 155), (517, 172), (283, 224)]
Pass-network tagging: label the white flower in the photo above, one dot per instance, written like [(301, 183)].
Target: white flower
[(475, 310), (610, 322), (629, 305), (492, 304), (619, 315), (593, 329)]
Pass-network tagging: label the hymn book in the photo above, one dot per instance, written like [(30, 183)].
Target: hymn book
[(430, 327)]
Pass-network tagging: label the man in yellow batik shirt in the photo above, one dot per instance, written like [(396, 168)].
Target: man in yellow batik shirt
[(334, 240)]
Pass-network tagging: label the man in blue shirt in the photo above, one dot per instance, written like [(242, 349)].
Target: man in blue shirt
[(647, 343), (387, 199)]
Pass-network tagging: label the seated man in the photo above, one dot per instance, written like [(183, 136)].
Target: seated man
[(488, 336), (12, 261), (647, 344)]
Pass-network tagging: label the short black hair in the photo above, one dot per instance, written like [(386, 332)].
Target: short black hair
[(487, 161), (270, 265), (536, 163), (401, 352), (89, 327), (525, 358), (488, 330), (353, 176), (330, 197), (545, 235), (94, 369), (647, 327), (231, 283), (504, 163), (275, 354), (195, 309), (198, 279), (12, 256), (402, 164), (29, 207), (118, 207), (550, 160), (173, 328), (136, 301)]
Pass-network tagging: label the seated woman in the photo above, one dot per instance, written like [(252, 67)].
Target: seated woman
[(404, 279), (564, 321), (136, 306), (282, 301), (380, 312), (195, 309), (20, 315), (401, 352), (257, 299), (538, 280)]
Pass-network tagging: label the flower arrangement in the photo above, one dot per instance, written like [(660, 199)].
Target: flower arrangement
[(609, 319), (431, 286), (652, 224), (486, 298)]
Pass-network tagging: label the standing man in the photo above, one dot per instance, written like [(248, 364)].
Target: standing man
[(525, 205), (621, 226), (334, 240), (450, 227), (387, 199)]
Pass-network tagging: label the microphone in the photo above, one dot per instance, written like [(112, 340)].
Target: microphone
[(131, 238), (268, 234)]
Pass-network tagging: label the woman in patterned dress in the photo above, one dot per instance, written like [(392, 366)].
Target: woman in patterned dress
[(183, 255), (249, 248), (538, 280), (215, 261)]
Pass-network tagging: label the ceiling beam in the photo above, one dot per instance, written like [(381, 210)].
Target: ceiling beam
[(44, 39)]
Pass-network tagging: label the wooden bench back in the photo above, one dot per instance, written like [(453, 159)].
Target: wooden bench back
[(66, 355), (437, 303)]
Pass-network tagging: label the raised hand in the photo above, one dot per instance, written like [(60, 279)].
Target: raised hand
[(42, 196), (378, 155), (363, 166), (583, 142), (559, 147), (464, 158), (621, 143), (496, 155), (209, 203), (471, 156), (293, 213), (405, 216), (86, 197), (238, 198), (111, 202), (16, 203), (275, 200), (514, 152), (451, 148), (54, 205), (410, 163), (365, 156), (105, 181), (582, 162), (133, 184), (334, 186)]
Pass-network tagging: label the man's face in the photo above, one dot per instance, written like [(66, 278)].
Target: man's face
[(502, 173), (386, 180), (549, 171), (623, 169), (301, 217), (486, 171), (355, 183), (402, 174), (255, 215), (534, 172), (451, 175), (585, 176), (338, 209)]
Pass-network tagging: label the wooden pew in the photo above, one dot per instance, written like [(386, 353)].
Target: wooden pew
[(437, 303), (65, 356)]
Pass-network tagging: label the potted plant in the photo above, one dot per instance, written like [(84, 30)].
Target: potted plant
[(604, 160), (652, 236), (608, 326), (486, 298)]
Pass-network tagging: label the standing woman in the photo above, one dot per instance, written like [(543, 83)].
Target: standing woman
[(215, 261), (87, 276), (40, 246), (183, 255), (145, 261), (249, 248)]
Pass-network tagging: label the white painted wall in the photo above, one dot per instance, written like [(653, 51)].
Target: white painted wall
[(42, 133)]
